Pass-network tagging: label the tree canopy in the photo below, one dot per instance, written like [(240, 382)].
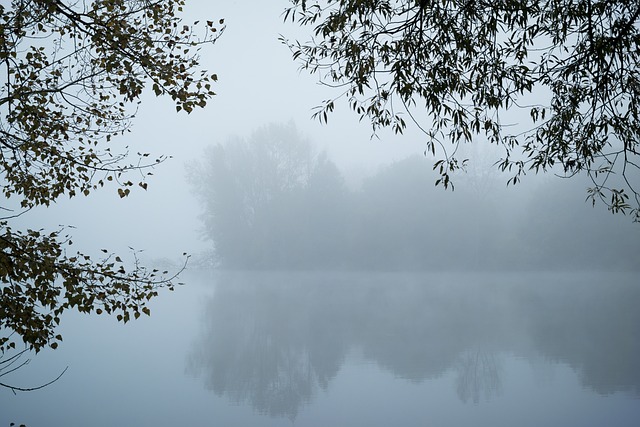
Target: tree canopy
[(265, 199), (555, 83), (72, 75)]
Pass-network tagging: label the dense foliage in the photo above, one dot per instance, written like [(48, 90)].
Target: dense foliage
[(72, 74), (554, 82)]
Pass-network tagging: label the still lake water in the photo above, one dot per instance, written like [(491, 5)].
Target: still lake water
[(351, 349)]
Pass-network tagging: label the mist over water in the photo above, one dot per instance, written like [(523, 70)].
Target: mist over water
[(312, 348), (331, 283), (279, 338)]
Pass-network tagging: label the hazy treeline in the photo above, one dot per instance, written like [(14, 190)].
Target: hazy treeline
[(272, 202)]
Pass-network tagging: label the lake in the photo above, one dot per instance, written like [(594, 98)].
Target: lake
[(350, 349)]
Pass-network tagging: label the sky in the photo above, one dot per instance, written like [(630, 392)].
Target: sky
[(258, 84)]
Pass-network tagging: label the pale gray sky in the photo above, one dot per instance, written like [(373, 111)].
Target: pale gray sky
[(258, 84)]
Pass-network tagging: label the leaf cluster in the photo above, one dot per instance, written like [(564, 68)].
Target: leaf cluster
[(458, 69), (41, 281), (72, 75)]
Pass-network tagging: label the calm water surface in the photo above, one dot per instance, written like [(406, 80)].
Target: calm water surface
[(348, 349)]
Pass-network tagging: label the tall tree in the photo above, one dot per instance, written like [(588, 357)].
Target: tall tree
[(270, 201), (72, 74), (554, 82)]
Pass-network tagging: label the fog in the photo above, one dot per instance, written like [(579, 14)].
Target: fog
[(323, 258), (344, 348), (274, 201), (259, 86), (276, 341)]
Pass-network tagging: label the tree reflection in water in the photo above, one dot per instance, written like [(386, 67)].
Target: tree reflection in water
[(479, 374), (263, 345), (274, 340)]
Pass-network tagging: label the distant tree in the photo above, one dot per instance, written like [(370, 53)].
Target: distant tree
[(555, 83), (265, 199), (564, 243), (72, 73), (393, 227), (328, 207)]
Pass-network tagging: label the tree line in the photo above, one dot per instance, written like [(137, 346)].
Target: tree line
[(271, 201)]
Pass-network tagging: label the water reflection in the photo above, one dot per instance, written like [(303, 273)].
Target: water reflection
[(275, 340), (479, 375)]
